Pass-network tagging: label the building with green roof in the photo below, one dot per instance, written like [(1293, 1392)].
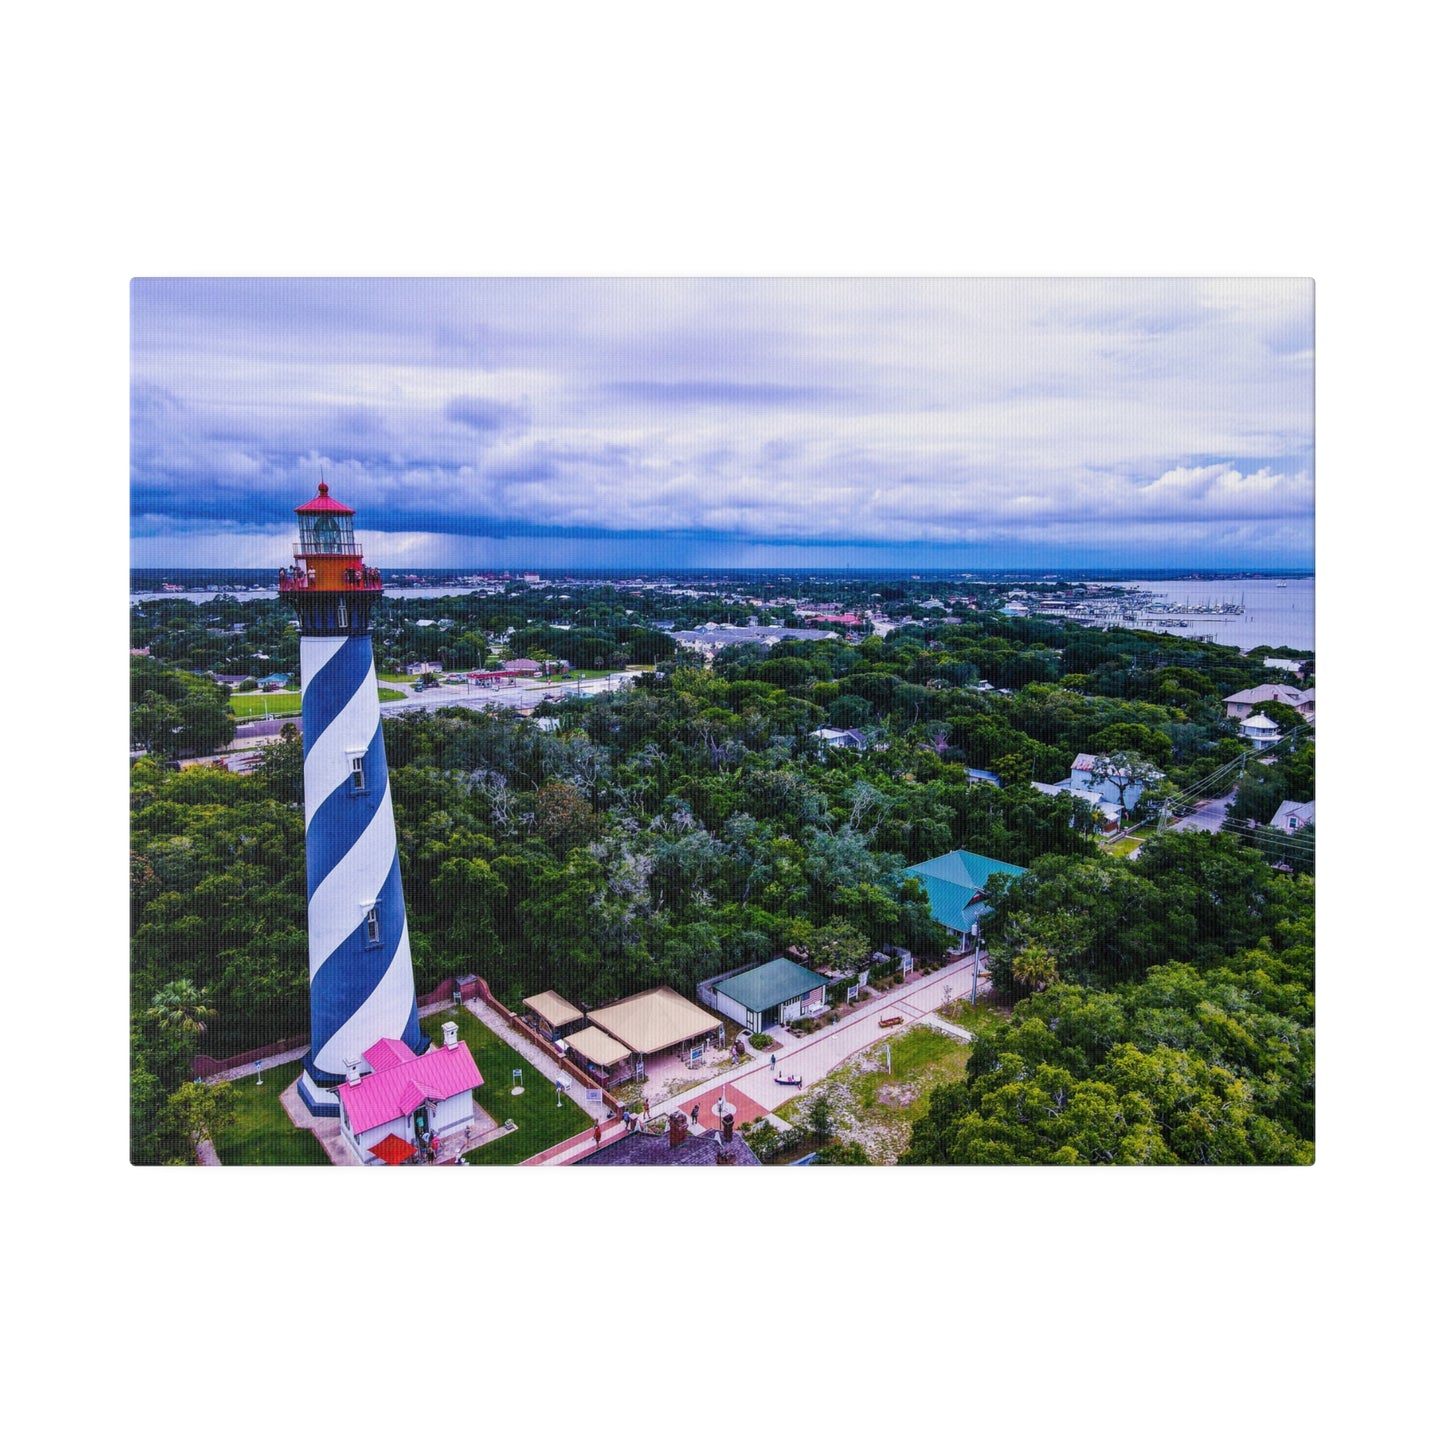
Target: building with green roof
[(957, 885), (773, 993)]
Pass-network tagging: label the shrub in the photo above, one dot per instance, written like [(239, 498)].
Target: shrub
[(765, 1140), (763, 1041)]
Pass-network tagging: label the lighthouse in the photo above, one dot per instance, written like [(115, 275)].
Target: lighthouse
[(362, 989)]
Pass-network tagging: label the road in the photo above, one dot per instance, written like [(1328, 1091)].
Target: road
[(1208, 819), (524, 694)]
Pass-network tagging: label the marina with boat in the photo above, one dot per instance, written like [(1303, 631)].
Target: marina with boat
[(1266, 610)]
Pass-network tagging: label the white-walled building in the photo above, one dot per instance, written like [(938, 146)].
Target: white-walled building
[(413, 1097), (1260, 730)]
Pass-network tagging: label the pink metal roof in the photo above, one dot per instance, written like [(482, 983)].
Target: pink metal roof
[(324, 502), (386, 1053), (392, 1093)]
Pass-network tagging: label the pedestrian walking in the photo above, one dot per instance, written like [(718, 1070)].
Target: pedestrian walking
[(696, 1109), (773, 1060), (597, 1135)]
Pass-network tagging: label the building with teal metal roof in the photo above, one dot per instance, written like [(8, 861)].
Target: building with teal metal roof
[(774, 992), (957, 884)]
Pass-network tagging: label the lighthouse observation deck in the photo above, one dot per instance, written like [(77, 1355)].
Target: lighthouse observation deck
[(301, 578)]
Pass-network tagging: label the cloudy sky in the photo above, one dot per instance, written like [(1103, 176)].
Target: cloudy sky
[(676, 423)]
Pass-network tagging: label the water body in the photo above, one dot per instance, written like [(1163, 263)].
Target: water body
[(241, 594), (1273, 616)]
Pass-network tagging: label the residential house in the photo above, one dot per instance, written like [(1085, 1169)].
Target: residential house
[(840, 738), (1241, 704), (1108, 814), (1083, 779), (1260, 730), (1290, 817)]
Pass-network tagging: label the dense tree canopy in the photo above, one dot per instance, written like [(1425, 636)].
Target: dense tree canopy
[(1205, 1061)]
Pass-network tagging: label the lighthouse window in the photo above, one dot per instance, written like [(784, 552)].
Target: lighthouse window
[(373, 927), (358, 775), (341, 614)]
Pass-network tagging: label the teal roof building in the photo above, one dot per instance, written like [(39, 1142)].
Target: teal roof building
[(956, 884), (774, 992)]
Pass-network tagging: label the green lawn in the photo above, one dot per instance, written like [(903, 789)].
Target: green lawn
[(288, 704), (876, 1109), (970, 1016), (262, 1133), (540, 1123), (1122, 847), (260, 704)]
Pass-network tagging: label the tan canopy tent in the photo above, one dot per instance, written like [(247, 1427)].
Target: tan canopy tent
[(596, 1047), (655, 1020), (552, 1009)]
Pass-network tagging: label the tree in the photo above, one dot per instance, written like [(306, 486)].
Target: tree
[(282, 765), (837, 944), (181, 1008), (1124, 772), (1035, 967), (837, 1152), (563, 817), (196, 1114), (820, 1119), (1149, 743)]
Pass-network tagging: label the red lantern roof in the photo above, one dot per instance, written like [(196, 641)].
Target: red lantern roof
[(322, 502)]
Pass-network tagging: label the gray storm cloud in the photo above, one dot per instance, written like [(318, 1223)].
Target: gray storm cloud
[(1023, 413)]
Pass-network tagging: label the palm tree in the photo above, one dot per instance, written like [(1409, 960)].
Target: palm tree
[(181, 1008), (1035, 966)]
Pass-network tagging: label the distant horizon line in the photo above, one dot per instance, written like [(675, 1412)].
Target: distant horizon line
[(962, 574)]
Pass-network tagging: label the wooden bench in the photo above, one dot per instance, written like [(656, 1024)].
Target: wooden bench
[(890, 1021)]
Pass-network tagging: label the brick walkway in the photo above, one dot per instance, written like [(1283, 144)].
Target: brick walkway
[(577, 1145)]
